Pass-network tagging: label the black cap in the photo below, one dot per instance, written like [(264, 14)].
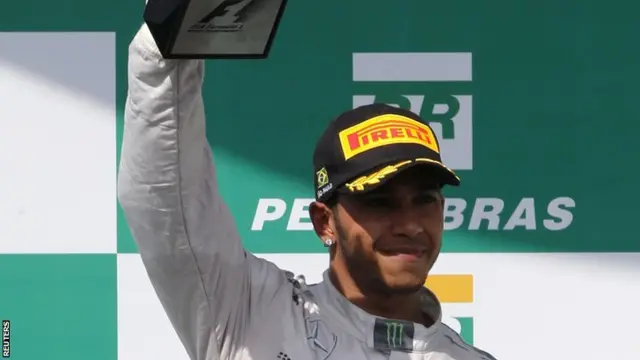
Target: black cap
[(365, 147)]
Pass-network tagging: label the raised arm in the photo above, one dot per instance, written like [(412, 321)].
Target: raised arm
[(167, 187)]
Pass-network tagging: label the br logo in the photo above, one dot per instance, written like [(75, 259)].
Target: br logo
[(455, 293), (423, 83)]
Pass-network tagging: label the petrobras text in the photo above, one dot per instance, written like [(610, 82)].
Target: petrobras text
[(459, 213)]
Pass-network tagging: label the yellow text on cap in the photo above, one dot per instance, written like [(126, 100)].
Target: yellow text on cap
[(385, 130)]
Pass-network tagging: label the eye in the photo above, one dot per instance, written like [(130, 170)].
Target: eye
[(427, 198)]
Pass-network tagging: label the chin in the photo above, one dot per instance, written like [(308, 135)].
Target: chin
[(405, 284)]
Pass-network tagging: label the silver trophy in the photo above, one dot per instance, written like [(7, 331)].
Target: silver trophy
[(210, 29)]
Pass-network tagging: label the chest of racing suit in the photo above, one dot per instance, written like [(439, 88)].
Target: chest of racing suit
[(223, 302)]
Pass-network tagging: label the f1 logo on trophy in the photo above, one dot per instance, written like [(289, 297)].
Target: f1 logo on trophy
[(213, 29)]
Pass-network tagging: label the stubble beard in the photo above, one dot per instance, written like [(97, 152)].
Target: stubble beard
[(365, 271)]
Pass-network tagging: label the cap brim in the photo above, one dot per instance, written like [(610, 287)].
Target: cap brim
[(378, 177)]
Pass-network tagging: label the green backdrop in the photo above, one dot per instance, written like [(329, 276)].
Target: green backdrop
[(555, 108)]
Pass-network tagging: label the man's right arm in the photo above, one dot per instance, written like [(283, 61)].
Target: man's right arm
[(187, 238)]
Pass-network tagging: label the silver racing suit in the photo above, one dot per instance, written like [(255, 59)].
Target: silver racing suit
[(224, 302)]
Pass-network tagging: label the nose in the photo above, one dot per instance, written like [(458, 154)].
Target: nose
[(407, 222)]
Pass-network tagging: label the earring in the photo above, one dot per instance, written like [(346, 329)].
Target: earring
[(328, 243)]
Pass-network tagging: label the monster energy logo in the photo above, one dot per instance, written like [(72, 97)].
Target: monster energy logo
[(393, 335)]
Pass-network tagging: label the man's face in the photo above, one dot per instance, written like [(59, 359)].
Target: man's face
[(390, 238)]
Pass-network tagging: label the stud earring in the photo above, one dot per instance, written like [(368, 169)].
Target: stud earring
[(328, 243)]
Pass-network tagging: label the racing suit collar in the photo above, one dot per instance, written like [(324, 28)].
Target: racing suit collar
[(387, 334)]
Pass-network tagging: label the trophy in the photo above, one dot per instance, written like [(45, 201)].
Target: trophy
[(213, 29)]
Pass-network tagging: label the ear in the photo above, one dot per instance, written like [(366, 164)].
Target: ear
[(322, 219)]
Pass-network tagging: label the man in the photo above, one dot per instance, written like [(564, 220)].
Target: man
[(379, 211)]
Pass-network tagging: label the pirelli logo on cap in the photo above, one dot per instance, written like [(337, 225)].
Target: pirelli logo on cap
[(385, 130)]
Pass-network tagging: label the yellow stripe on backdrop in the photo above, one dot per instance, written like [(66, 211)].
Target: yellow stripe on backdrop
[(451, 288)]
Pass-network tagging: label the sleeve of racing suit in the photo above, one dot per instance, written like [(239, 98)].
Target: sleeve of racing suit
[(206, 282)]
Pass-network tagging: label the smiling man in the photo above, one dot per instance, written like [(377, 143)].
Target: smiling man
[(378, 209)]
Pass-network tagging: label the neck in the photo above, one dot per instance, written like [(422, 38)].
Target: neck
[(391, 306)]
